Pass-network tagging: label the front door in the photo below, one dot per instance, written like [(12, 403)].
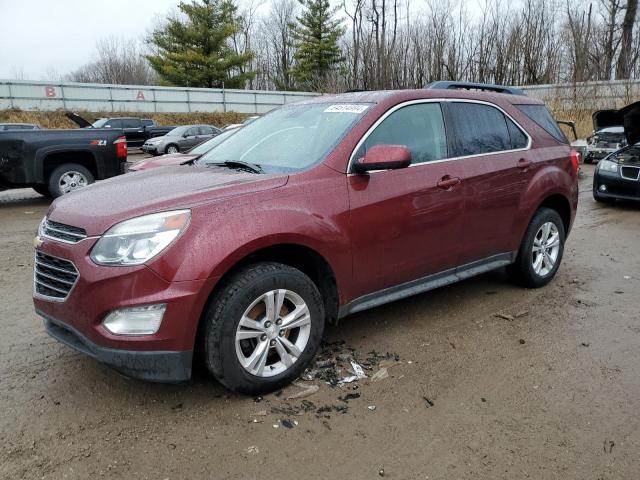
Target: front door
[(406, 223)]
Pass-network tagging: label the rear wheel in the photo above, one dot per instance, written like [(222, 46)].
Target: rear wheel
[(541, 250), (262, 329), (68, 178)]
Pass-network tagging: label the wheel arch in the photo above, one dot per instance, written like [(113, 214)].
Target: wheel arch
[(561, 204), (50, 160), (297, 255)]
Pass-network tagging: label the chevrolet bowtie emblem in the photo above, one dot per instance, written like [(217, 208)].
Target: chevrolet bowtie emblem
[(37, 242)]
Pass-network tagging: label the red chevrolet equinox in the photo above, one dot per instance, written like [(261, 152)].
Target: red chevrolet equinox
[(320, 209)]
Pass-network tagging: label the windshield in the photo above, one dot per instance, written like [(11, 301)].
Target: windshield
[(289, 139), (209, 144), (178, 131), (99, 123)]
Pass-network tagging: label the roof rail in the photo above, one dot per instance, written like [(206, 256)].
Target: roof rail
[(452, 85)]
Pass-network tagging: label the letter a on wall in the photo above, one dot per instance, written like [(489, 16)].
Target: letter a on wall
[(140, 95)]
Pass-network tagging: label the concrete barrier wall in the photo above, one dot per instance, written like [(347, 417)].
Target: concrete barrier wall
[(33, 95), (588, 95)]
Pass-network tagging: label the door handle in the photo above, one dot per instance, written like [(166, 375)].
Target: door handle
[(524, 163), (447, 182)]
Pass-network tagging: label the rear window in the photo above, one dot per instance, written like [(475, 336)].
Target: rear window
[(540, 115), (478, 129)]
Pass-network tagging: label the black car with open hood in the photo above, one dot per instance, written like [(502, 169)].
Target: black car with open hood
[(610, 133), (618, 173)]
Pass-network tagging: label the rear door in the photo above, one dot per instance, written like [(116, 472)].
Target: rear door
[(134, 131), (499, 165), (407, 223)]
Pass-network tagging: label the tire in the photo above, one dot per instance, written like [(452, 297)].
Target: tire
[(588, 160), (240, 297), (42, 190), (172, 149), (523, 271), (77, 177)]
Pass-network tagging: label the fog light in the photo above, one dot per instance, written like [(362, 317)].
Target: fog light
[(136, 320), (603, 188)]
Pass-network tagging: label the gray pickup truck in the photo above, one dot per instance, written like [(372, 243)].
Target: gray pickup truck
[(55, 162)]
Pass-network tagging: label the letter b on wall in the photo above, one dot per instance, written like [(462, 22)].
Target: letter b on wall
[(50, 92)]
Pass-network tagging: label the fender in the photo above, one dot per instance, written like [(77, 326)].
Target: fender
[(548, 181), (43, 152)]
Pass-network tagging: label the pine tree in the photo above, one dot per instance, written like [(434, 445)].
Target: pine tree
[(316, 36), (194, 50)]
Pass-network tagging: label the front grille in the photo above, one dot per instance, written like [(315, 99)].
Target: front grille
[(630, 173), (63, 232), (53, 277)]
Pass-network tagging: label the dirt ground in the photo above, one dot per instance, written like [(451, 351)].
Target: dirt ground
[(552, 390)]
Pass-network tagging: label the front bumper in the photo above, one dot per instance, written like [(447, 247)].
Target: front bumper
[(100, 290), (152, 149), (165, 367), (616, 186)]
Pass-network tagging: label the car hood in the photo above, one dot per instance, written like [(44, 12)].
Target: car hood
[(163, 161), (99, 206), (627, 117)]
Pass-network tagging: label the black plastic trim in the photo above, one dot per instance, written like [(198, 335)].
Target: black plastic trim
[(152, 366), (430, 282)]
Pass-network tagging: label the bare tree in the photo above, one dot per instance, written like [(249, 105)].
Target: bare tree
[(623, 68), (118, 61)]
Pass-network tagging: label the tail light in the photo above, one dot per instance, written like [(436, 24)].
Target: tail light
[(121, 147), (575, 160)]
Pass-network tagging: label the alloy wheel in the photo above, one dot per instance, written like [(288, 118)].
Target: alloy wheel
[(72, 180), (546, 247), (272, 333)]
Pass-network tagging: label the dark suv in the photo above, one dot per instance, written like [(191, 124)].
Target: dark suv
[(316, 210)]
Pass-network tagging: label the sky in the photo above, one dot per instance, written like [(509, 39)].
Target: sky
[(40, 37), (46, 39)]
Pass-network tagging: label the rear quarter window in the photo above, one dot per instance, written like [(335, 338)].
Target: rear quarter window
[(542, 116)]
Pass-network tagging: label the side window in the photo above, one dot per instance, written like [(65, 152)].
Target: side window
[(204, 130), (477, 129), (518, 138), (115, 123), (192, 132), (419, 127), (131, 123), (147, 122)]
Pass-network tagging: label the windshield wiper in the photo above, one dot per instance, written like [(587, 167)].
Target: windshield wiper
[(239, 164)]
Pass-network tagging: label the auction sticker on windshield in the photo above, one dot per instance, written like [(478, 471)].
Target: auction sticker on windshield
[(346, 108)]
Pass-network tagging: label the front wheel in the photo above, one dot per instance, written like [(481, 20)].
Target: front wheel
[(541, 250), (262, 328), (68, 178), (172, 149)]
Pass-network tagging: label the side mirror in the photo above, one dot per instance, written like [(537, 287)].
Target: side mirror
[(384, 157)]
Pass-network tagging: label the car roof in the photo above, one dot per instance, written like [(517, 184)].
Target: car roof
[(399, 96)]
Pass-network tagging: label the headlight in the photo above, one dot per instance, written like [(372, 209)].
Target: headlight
[(608, 166), (138, 240)]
